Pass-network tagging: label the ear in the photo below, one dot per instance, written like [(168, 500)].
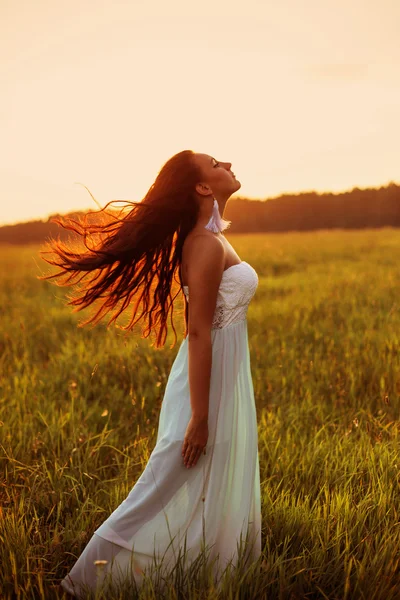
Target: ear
[(203, 189)]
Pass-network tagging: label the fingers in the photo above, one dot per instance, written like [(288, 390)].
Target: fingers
[(190, 458), (191, 455)]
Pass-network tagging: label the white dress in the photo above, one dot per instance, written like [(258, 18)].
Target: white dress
[(216, 503)]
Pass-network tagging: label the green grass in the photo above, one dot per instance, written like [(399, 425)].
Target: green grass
[(79, 411)]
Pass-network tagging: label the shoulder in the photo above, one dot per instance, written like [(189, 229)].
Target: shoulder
[(204, 242), (205, 258), (204, 253), (204, 264)]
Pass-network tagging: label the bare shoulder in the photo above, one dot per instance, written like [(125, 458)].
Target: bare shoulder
[(199, 241), (204, 262), (203, 256)]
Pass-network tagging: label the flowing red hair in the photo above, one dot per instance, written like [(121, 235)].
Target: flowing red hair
[(133, 256)]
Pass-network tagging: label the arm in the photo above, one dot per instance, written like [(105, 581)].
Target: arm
[(205, 268), (206, 263)]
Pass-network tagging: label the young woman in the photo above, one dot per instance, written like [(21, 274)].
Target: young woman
[(201, 486)]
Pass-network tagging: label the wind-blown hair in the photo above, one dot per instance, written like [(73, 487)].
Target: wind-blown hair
[(134, 256)]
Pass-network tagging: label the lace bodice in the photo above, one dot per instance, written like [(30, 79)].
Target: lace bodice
[(238, 285)]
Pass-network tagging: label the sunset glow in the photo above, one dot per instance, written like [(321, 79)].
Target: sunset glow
[(298, 96)]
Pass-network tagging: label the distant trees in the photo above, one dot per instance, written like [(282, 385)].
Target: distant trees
[(356, 209), (33, 231)]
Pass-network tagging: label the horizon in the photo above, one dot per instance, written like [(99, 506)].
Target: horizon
[(105, 99), (233, 197)]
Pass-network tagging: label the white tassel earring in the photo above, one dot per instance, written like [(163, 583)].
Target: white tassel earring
[(217, 224)]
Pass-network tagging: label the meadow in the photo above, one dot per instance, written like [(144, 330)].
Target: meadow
[(79, 412)]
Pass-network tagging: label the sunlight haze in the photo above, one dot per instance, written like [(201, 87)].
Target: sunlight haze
[(298, 96)]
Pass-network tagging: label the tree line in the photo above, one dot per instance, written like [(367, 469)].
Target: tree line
[(355, 209)]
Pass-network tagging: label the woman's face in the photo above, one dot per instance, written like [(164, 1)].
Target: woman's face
[(217, 175)]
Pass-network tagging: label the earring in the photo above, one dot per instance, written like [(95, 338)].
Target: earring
[(216, 223)]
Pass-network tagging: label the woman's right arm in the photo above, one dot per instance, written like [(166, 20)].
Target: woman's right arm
[(205, 260)]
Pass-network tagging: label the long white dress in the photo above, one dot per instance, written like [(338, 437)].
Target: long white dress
[(173, 509)]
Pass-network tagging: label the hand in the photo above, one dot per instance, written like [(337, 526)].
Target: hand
[(195, 441)]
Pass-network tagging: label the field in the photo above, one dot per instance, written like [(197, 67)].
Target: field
[(79, 411)]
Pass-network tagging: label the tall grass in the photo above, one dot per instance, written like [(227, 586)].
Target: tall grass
[(79, 411)]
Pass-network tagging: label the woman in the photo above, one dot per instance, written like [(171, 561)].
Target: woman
[(201, 486)]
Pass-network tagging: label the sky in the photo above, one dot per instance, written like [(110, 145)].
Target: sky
[(298, 96)]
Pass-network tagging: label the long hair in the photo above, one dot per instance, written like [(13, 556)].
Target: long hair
[(134, 256)]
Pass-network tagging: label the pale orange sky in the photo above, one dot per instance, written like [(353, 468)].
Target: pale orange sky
[(297, 95)]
